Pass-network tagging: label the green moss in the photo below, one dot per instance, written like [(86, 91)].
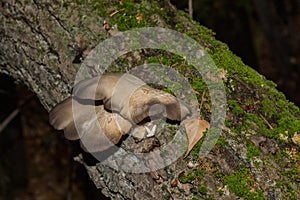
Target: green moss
[(202, 190), (289, 125), (179, 28), (290, 192), (198, 84), (283, 159), (166, 196), (286, 125), (274, 105), (64, 5), (225, 59), (168, 90), (252, 151), (280, 158), (210, 197), (243, 185), (127, 19), (234, 65), (228, 123), (153, 59), (221, 141), (256, 163), (261, 126), (291, 173), (79, 1), (221, 192), (192, 176), (236, 108), (268, 109)]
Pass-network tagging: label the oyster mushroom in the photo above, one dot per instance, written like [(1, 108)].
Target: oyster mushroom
[(129, 99), (97, 133)]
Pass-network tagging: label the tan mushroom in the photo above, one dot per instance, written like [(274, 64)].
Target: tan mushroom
[(131, 97), (95, 133)]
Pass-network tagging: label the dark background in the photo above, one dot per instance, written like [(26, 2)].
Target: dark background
[(264, 33)]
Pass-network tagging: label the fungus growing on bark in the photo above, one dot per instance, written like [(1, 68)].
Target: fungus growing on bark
[(98, 133), (131, 97), (126, 102)]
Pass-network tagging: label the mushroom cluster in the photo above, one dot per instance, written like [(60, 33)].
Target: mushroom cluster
[(105, 107)]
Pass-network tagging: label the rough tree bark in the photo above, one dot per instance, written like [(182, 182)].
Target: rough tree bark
[(257, 156)]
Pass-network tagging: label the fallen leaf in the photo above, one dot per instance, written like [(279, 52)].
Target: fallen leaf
[(296, 139), (194, 129)]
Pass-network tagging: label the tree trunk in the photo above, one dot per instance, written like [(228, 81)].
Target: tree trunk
[(44, 42)]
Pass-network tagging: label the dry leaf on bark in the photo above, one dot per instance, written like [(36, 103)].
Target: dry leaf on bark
[(194, 129)]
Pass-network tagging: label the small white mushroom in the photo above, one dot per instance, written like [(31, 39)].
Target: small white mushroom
[(150, 132)]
